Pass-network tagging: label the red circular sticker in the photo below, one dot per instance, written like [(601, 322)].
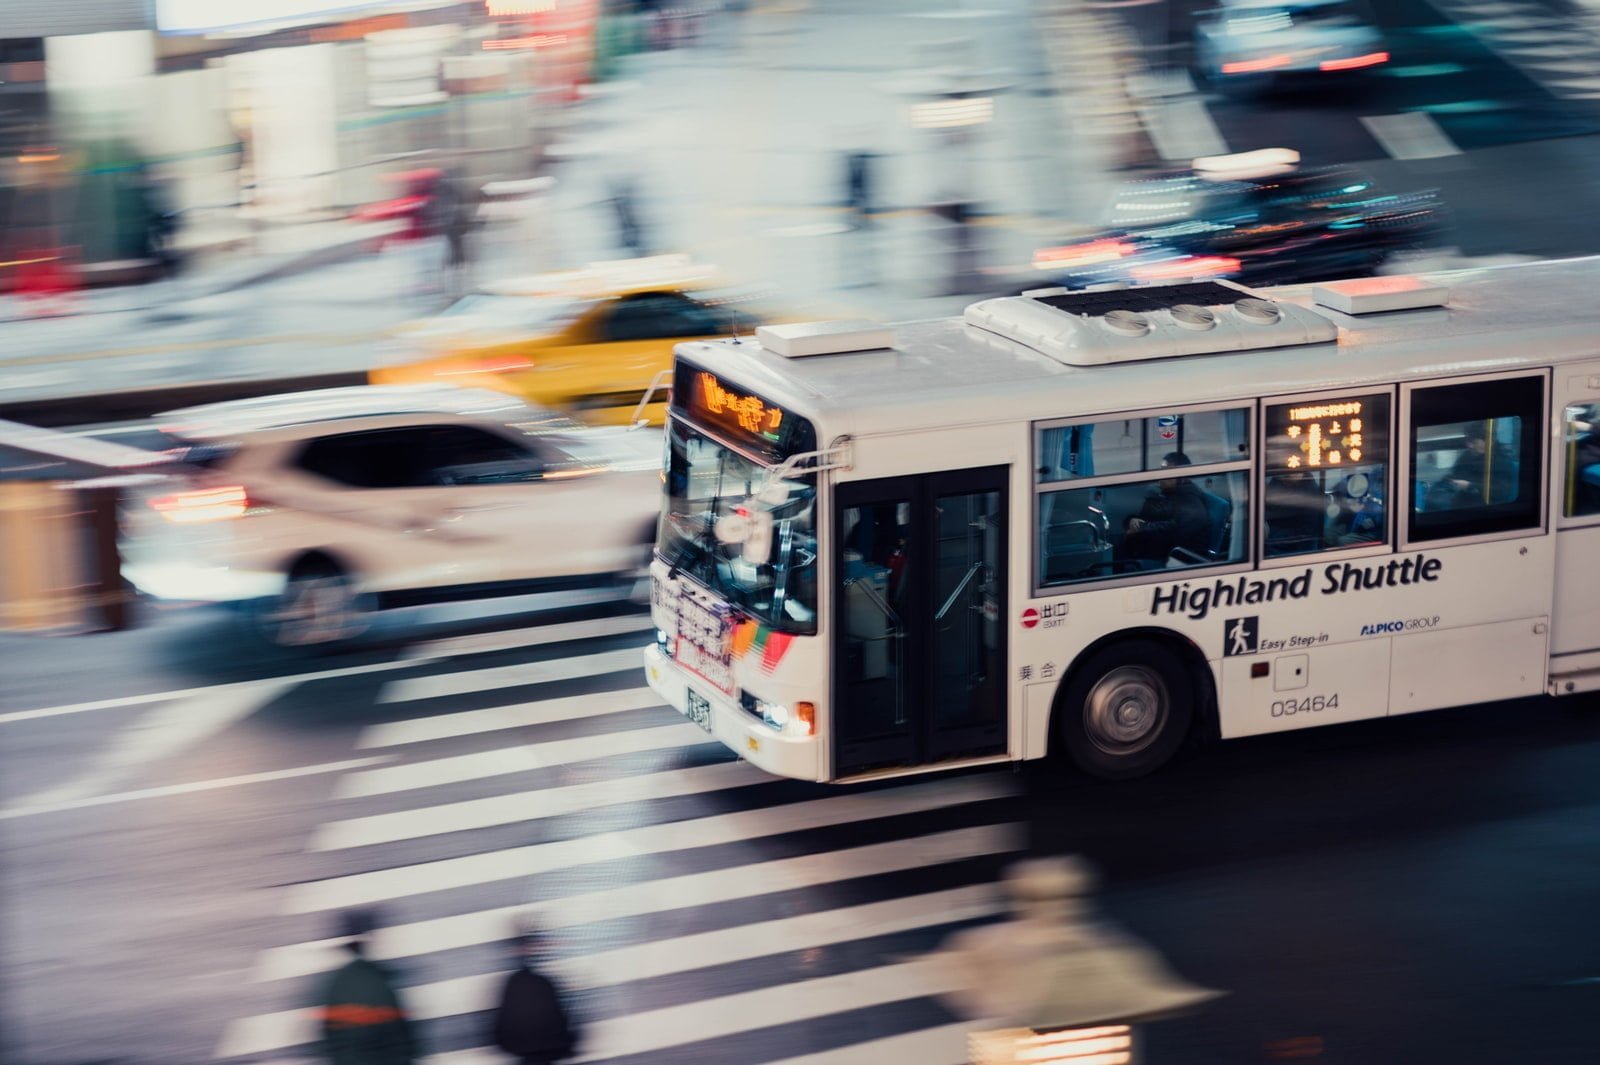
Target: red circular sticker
[(1030, 618)]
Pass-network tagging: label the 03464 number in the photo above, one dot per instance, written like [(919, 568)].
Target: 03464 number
[(1311, 704)]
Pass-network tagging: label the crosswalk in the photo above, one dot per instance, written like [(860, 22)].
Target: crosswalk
[(1559, 50), (701, 909)]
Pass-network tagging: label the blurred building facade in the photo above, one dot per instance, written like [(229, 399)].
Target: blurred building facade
[(226, 116)]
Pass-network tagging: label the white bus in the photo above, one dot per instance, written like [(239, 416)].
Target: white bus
[(1087, 523)]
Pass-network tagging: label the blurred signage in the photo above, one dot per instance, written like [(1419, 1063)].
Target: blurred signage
[(738, 416), (1326, 433), (208, 16), (500, 8)]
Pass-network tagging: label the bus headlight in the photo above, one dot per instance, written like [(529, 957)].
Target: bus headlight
[(801, 721)]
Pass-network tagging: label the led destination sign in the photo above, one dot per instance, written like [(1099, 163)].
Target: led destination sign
[(738, 415), (1327, 434)]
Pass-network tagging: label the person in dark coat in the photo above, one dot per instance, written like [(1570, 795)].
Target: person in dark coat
[(532, 1022), (362, 1020), (1175, 516)]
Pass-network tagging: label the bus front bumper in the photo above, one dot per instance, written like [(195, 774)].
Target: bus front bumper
[(755, 741)]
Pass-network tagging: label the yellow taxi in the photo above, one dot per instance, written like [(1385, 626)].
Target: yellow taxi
[(586, 341)]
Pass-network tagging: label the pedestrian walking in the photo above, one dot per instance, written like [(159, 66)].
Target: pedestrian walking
[(363, 1022), (532, 1022)]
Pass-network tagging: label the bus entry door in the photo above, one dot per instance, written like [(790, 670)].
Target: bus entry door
[(919, 643)]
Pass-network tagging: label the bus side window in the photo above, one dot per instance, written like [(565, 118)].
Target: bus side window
[(1582, 442), (1475, 458), (1135, 494)]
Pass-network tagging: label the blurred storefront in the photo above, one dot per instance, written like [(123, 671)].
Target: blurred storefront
[(116, 114)]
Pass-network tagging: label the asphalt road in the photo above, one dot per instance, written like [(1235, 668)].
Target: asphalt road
[(181, 824)]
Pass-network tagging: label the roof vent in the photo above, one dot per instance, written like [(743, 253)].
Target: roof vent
[(798, 339), (1089, 328), (1372, 295), (1127, 323), (1193, 316), (1258, 311)]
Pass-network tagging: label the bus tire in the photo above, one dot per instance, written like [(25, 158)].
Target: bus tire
[(1126, 710)]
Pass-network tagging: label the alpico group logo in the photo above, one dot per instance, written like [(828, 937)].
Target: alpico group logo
[(1030, 618)]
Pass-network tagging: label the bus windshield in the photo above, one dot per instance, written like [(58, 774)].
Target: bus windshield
[(707, 483)]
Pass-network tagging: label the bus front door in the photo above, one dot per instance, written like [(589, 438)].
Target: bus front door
[(919, 644)]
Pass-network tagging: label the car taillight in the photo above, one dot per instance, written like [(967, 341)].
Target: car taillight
[(1195, 266), (204, 505), (1253, 66), (1095, 251), (1371, 59)]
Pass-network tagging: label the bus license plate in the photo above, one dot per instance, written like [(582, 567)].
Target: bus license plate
[(699, 711)]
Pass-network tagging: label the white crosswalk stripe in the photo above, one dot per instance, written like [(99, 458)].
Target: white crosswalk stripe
[(655, 896), (847, 889), (1556, 52), (444, 685), (528, 805), (515, 639), (495, 718), (664, 957), (521, 759), (362, 889)]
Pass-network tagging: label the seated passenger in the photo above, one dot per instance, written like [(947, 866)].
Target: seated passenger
[(1174, 516), (1295, 512), (1360, 517), (1587, 472), (1480, 476)]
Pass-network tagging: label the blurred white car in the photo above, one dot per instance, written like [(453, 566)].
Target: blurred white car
[(318, 507), (1255, 43)]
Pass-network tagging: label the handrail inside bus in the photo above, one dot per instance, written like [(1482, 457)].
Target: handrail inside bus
[(874, 597), (972, 571), (836, 457), (638, 420)]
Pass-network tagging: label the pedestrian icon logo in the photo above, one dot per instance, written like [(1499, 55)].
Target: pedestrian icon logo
[(1239, 636)]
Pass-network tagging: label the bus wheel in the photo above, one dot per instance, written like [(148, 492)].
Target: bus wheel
[(1126, 710)]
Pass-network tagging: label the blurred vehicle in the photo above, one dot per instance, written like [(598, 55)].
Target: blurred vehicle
[(586, 341), (1258, 45), (318, 507), (415, 207), (1255, 218)]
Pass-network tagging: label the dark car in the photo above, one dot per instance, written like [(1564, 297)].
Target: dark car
[(1303, 225)]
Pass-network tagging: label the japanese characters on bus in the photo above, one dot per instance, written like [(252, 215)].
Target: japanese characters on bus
[(738, 415), (1327, 465)]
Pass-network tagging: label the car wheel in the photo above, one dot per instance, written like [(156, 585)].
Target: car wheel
[(1126, 710), (318, 607)]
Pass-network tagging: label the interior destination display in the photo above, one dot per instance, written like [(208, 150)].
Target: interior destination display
[(1327, 434)]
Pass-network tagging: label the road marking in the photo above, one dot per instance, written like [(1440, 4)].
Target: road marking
[(185, 693), (666, 957), (1182, 128), (640, 1032), (945, 1045), (532, 805), (1413, 135), (505, 760), (161, 733), (403, 881), (322, 339), (518, 715), (825, 928), (655, 896), (479, 643), (121, 701), (199, 785), (482, 680)]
